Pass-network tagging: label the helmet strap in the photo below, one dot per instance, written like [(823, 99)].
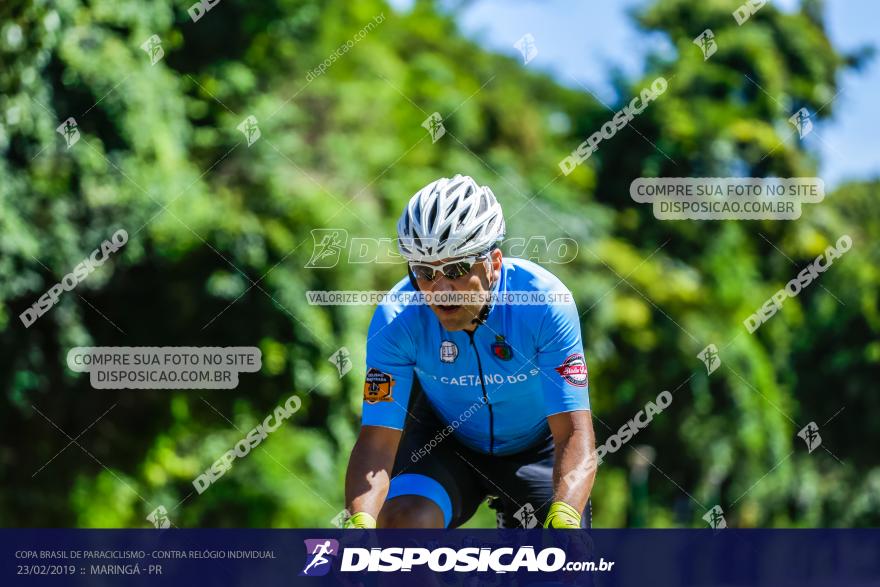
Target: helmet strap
[(484, 311)]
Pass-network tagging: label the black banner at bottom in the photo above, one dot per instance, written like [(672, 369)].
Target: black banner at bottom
[(440, 557)]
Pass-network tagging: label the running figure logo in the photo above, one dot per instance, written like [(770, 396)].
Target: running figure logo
[(715, 518), (319, 554), (710, 358), (153, 48), (327, 247), (802, 122), (526, 516), (526, 46), (706, 42), (342, 359), (69, 130), (250, 129), (434, 125), (159, 518), (810, 435)]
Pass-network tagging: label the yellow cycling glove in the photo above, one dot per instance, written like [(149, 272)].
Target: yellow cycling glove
[(360, 520), (562, 515)]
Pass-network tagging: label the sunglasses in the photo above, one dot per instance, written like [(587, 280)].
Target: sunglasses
[(451, 270)]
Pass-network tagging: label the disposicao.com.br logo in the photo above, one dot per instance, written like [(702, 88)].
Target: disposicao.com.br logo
[(443, 559)]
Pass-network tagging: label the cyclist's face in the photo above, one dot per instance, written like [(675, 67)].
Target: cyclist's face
[(477, 281)]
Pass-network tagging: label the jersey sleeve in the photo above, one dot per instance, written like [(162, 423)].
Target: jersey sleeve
[(390, 370), (564, 378)]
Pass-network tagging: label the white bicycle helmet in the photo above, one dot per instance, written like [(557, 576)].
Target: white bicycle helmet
[(450, 218)]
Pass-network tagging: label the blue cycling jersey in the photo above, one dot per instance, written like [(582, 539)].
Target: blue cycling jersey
[(494, 387)]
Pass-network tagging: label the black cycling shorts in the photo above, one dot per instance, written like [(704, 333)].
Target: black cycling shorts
[(432, 463)]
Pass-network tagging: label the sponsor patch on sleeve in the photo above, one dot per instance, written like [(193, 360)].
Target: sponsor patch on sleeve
[(574, 370), (377, 386)]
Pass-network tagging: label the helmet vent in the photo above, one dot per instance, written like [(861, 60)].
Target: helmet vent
[(484, 203), (472, 235), (433, 214)]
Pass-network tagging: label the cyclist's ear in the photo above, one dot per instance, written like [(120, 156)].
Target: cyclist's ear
[(494, 264), (496, 257)]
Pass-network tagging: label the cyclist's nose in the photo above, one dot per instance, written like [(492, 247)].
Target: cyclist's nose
[(441, 285), (441, 291)]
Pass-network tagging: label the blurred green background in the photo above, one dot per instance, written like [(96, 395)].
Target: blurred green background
[(219, 236)]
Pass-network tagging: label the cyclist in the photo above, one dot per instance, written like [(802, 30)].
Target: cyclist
[(471, 399)]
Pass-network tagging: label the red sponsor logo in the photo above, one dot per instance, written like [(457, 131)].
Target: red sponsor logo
[(574, 370)]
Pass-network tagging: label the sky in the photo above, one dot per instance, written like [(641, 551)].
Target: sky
[(566, 30)]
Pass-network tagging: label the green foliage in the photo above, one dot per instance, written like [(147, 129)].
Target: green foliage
[(219, 235)]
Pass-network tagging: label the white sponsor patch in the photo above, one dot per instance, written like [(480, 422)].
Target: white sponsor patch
[(448, 351)]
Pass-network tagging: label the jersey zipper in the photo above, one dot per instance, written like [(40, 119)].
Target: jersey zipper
[(485, 395)]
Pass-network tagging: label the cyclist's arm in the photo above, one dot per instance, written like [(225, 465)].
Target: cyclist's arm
[(567, 407), (575, 467), (369, 469), (387, 387)]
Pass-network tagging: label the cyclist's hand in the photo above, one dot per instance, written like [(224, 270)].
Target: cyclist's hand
[(360, 520), (562, 515)]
